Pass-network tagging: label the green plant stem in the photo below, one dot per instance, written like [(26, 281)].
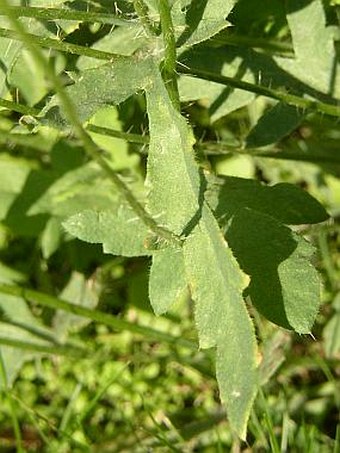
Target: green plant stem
[(90, 147), (41, 348), (65, 14), (15, 421), (291, 99), (62, 46), (143, 14), (29, 39), (131, 138), (277, 47), (169, 63), (95, 315), (34, 141), (20, 108)]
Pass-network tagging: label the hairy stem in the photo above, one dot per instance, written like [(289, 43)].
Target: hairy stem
[(29, 39), (169, 63), (64, 14), (291, 99), (143, 14), (20, 108)]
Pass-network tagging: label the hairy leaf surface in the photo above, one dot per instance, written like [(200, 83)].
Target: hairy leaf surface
[(121, 232), (97, 87), (167, 282), (216, 284), (315, 60), (172, 176), (198, 20), (214, 277)]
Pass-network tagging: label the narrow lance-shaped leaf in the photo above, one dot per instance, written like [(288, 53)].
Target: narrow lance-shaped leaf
[(216, 282)]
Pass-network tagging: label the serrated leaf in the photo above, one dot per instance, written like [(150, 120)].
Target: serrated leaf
[(315, 55), (275, 124), (75, 191), (172, 176), (284, 286), (216, 284), (120, 232), (198, 20), (122, 41), (285, 202), (98, 87), (176, 201), (167, 281)]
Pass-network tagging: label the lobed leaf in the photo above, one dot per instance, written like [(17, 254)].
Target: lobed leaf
[(315, 60), (105, 85), (198, 20), (274, 124), (121, 232), (285, 202), (284, 286)]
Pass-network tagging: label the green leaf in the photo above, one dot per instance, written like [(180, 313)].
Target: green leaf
[(285, 202), (219, 99), (275, 124), (122, 41), (315, 58), (198, 20), (118, 149), (172, 175), (167, 282), (105, 85), (78, 291), (13, 176), (216, 284), (76, 190), (18, 323), (121, 232), (284, 286), (176, 200), (331, 332)]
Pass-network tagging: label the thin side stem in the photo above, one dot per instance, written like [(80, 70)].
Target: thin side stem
[(131, 138), (143, 14), (20, 108), (90, 147), (28, 39), (45, 349), (291, 99), (95, 315), (15, 421), (169, 63), (65, 14)]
